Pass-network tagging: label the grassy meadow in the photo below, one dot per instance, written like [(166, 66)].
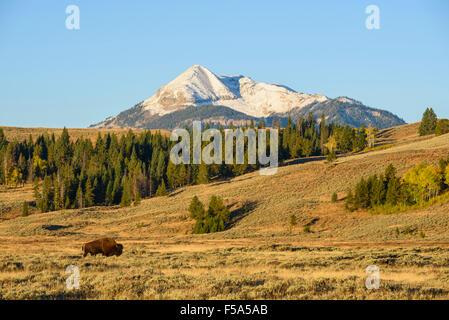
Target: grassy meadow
[(259, 257)]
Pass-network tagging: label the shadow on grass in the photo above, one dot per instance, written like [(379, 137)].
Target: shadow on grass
[(240, 213), (54, 227)]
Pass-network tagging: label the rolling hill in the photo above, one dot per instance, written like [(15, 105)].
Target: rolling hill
[(258, 257)]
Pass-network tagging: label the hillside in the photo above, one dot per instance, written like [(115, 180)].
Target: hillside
[(258, 257)]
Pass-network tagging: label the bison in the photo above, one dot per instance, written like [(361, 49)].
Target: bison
[(106, 246)]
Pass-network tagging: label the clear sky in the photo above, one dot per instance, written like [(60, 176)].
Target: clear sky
[(125, 50)]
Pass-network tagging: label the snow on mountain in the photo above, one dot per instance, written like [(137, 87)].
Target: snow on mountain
[(198, 86), (261, 99)]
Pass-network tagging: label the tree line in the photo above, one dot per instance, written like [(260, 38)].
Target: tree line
[(309, 137), (420, 184), (114, 170), (431, 125)]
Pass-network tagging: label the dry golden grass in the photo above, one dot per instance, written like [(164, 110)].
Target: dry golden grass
[(258, 258)]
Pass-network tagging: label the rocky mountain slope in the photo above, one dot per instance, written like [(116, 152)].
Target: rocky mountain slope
[(192, 95)]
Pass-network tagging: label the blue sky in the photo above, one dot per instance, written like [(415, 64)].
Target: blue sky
[(125, 50)]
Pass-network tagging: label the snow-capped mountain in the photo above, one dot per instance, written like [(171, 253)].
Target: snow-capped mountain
[(199, 87)]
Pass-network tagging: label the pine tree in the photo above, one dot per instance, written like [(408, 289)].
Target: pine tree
[(447, 175), (390, 173), (62, 148), (203, 174), (109, 199), (378, 192), (58, 203), (349, 202), (36, 192), (25, 209), (89, 194), (126, 198), (428, 123), (161, 190), (137, 199), (217, 214), (360, 142), (334, 197), (346, 143), (116, 193), (393, 191), (442, 127), (324, 133), (47, 203), (293, 222), (172, 177), (79, 197), (362, 195), (196, 209)]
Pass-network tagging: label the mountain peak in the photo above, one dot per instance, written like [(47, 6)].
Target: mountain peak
[(195, 86), (198, 86), (198, 67)]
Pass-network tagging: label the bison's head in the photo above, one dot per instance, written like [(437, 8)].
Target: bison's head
[(118, 249)]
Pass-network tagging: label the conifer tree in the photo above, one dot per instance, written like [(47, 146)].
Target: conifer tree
[(161, 190), (126, 194), (47, 203), (36, 191), (25, 209), (393, 191), (89, 196), (428, 123), (442, 127), (196, 209), (79, 197), (203, 174), (349, 202), (137, 198)]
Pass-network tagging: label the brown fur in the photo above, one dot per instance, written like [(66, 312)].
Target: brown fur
[(106, 246)]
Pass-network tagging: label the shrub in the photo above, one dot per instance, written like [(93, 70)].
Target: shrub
[(25, 209), (331, 157), (293, 222), (408, 230), (334, 197), (349, 202)]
